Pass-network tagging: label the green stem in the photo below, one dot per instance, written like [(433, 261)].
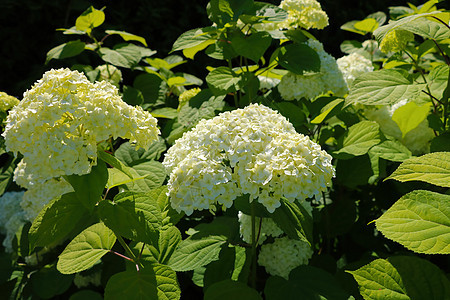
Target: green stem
[(254, 241), (128, 250)]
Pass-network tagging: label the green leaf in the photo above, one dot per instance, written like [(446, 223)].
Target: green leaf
[(153, 173), (420, 221), (223, 80), (165, 112), (132, 215), (366, 25), (360, 138), (193, 253), (230, 289), (57, 220), (6, 176), (128, 154), (169, 214), (193, 38), (190, 52), (89, 19), (410, 115), (169, 238), (69, 49), (329, 110), (204, 105), (402, 277), (253, 46), (86, 249), (294, 220), (440, 143), (299, 59), (391, 150), (350, 26), (128, 36), (418, 24), (432, 168), (225, 11), (383, 87), (149, 85), (125, 55), (292, 112), (114, 162), (153, 282), (305, 282), (48, 282), (89, 188)]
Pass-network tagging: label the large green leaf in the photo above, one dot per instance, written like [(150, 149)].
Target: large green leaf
[(169, 238), (230, 289), (433, 168), (169, 215), (418, 24), (225, 11), (132, 215), (294, 220), (69, 49), (86, 249), (196, 252), (125, 55), (153, 173), (383, 87), (305, 282), (402, 278), (252, 46), (360, 138), (391, 150), (148, 85), (131, 156), (153, 282), (57, 220), (47, 282), (193, 37), (410, 115), (420, 221), (299, 59), (89, 188), (223, 80)]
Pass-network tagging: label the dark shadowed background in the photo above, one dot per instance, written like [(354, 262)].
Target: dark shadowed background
[(28, 30)]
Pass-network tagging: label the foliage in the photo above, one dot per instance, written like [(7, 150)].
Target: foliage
[(379, 229)]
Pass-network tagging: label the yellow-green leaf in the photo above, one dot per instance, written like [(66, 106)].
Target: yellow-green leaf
[(86, 249), (90, 19), (128, 36), (410, 115), (420, 221), (432, 168)]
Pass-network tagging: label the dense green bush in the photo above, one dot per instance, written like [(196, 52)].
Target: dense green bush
[(248, 150)]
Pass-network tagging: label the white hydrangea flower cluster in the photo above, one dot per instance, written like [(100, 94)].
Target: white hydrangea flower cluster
[(353, 65), (268, 83), (11, 217), (303, 14), (283, 255), (57, 125), (268, 228), (330, 78), (254, 151), (417, 140)]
